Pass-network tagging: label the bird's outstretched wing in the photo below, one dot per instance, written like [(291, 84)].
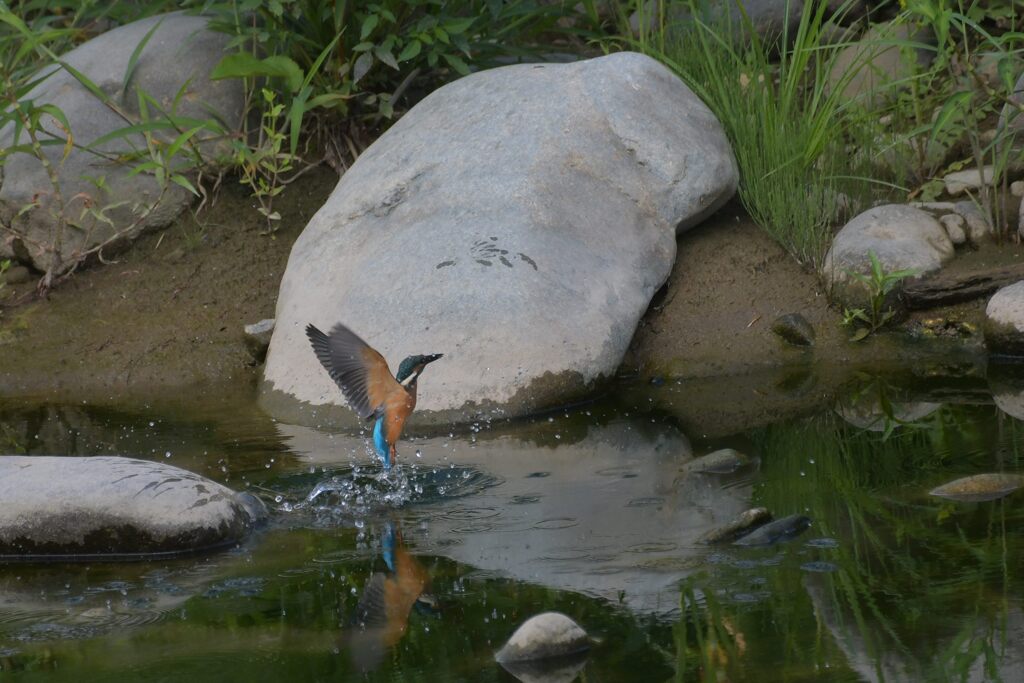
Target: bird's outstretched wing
[(361, 372)]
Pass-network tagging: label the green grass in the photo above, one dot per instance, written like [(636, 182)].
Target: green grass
[(788, 128)]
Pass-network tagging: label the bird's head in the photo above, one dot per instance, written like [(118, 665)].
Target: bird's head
[(412, 366)]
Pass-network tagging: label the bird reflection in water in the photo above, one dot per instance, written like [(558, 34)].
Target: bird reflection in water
[(382, 615)]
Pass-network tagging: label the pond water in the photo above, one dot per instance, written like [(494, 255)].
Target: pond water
[(422, 575)]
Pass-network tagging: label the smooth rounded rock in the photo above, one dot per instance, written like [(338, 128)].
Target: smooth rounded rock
[(980, 487), (866, 71), (1004, 321), (722, 461), (173, 67), (548, 635), (741, 525), (518, 221), (108, 507), (775, 532), (901, 237)]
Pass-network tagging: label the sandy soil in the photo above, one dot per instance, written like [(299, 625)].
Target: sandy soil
[(169, 313), (169, 316)]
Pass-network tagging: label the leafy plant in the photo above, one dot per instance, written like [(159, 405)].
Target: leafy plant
[(942, 116), (263, 164), (784, 118), (879, 284)]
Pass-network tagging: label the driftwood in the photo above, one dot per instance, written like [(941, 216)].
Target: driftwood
[(945, 288)]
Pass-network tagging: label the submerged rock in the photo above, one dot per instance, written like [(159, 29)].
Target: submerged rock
[(794, 329), (173, 67), (979, 487), (739, 526), (774, 532), (722, 461), (550, 635), (107, 507), (520, 234), (1004, 321), (901, 237)]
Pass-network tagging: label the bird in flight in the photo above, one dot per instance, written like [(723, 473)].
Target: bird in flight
[(368, 385)]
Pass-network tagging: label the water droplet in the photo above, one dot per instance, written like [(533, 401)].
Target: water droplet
[(167, 454)]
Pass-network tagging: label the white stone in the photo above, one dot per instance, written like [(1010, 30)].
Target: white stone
[(1006, 307), (959, 182), (901, 236), (954, 225), (544, 636), (106, 506), (518, 221)]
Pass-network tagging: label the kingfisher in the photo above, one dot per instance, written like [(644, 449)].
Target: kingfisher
[(367, 383)]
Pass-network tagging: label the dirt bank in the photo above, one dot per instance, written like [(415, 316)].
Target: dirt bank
[(169, 314)]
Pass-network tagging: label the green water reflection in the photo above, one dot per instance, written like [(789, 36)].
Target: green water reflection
[(586, 512)]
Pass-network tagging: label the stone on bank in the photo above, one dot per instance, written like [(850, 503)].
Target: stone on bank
[(69, 508), (518, 220), (173, 69)]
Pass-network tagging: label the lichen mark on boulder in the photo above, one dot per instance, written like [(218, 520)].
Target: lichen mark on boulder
[(68, 508), (577, 235), (180, 54)]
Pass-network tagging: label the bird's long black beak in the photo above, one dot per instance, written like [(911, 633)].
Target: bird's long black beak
[(431, 358)]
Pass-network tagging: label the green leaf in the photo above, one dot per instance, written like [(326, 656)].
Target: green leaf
[(183, 181), (457, 64), (860, 334), (136, 53), (1007, 69), (386, 57), (369, 24), (952, 109), (175, 147), (362, 65), (245, 65), (411, 50), (458, 25)]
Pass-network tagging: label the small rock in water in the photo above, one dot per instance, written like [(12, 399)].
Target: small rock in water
[(257, 338), (548, 635), (980, 487), (794, 329), (723, 461), (779, 530), (73, 508), (740, 525)]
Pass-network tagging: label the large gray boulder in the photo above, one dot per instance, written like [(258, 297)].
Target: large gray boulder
[(901, 236), (174, 69), (518, 221), (111, 507)]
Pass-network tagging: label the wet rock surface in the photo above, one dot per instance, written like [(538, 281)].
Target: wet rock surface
[(741, 525), (108, 507), (528, 266), (548, 635), (1004, 321), (794, 329), (980, 487), (777, 531)]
